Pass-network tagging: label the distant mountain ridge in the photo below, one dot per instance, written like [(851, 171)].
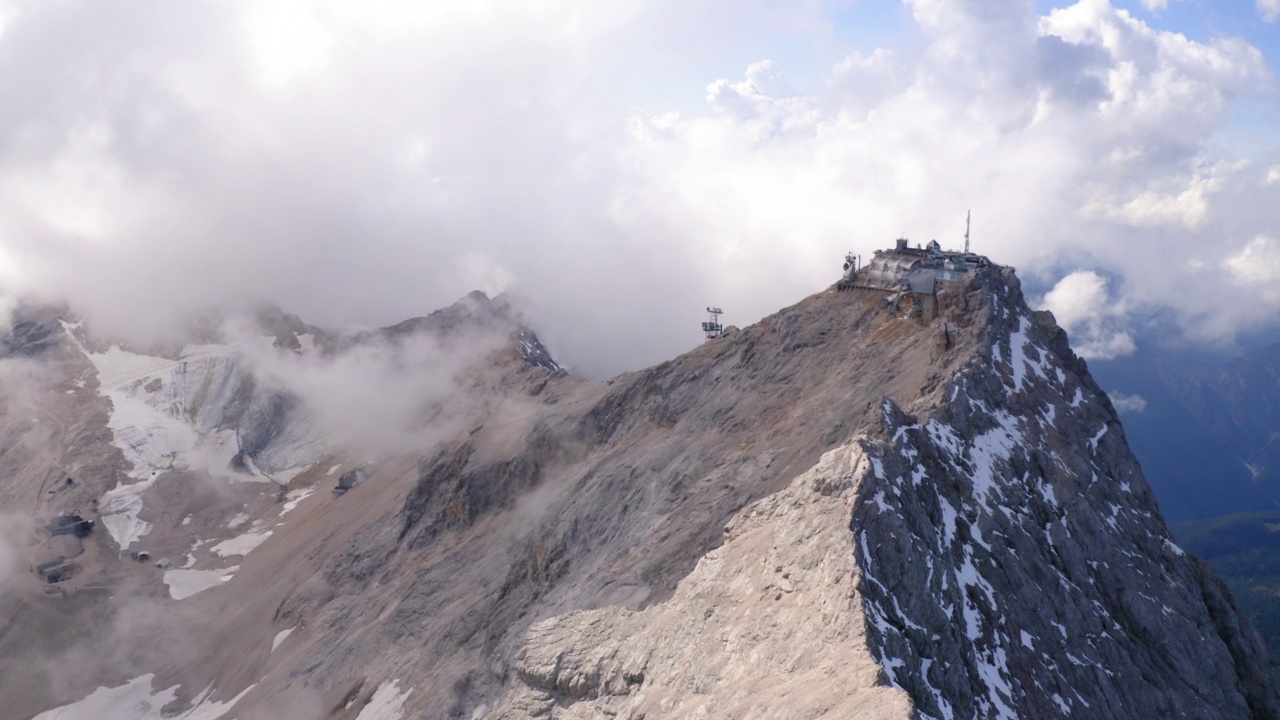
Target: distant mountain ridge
[(1208, 434)]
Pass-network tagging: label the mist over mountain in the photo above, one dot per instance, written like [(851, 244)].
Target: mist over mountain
[(871, 503), (236, 481), (620, 165)]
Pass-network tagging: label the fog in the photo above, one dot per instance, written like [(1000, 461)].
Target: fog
[(620, 166), (379, 396)]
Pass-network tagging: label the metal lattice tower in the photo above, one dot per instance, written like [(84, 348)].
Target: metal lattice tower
[(712, 328)]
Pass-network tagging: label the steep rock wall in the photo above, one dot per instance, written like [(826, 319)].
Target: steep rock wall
[(769, 625), (1007, 558), (1014, 561)]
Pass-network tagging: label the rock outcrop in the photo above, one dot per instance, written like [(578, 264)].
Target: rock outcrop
[(852, 508), (769, 625), (993, 548), (1014, 560)]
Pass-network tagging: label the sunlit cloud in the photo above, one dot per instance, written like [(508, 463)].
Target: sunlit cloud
[(361, 165)]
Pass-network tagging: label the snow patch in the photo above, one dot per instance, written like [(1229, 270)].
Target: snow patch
[(1093, 442), (879, 501), (294, 498), (240, 544), (281, 637), (119, 509), (949, 516), (1046, 492), (387, 703), (135, 700), (988, 448), (185, 583), (1018, 354), (191, 555)]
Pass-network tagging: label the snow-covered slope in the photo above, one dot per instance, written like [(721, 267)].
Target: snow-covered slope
[(201, 411)]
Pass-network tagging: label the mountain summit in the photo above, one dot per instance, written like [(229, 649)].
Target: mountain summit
[(875, 503)]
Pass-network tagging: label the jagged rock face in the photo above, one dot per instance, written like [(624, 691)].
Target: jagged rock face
[(1014, 562), (767, 626), (999, 552), (844, 510), (598, 495), (477, 312)]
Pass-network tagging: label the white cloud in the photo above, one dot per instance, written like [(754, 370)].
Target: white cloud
[(287, 41), (365, 164), (859, 83), (1127, 403), (1155, 5), (1269, 9), (378, 396), (1174, 201), (1091, 315), (1257, 263), (1082, 133)]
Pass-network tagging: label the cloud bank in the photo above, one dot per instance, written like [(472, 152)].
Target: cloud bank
[(365, 165), (1269, 10), (377, 397), (1128, 403), (1094, 320)]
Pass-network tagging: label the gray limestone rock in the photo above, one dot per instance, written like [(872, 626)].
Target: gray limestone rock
[(1015, 563), (849, 509), (991, 544)]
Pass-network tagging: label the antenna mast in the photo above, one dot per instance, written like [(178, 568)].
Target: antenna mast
[(967, 213), (713, 328)]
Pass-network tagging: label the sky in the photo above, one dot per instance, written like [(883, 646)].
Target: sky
[(620, 166)]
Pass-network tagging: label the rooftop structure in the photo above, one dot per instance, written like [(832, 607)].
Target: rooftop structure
[(917, 270)]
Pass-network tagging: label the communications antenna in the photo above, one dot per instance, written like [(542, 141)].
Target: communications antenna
[(712, 328), (966, 231)]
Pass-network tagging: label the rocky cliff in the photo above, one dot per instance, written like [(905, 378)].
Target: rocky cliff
[(845, 510), (988, 548)]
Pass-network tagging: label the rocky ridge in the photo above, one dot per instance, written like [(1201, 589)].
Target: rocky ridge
[(843, 510), (1015, 562), (997, 553), (187, 454)]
